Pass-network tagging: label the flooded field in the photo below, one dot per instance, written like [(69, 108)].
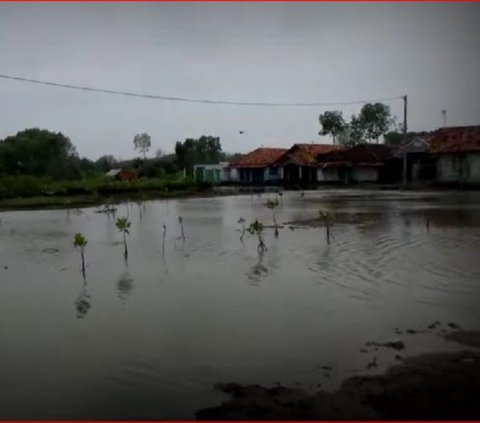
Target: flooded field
[(148, 339)]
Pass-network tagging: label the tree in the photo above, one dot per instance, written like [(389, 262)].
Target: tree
[(105, 163), (40, 152), (204, 150), (159, 153), (332, 123), (357, 131), (142, 143), (375, 119)]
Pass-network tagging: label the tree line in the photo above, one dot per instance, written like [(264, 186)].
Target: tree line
[(39, 152), (372, 122)]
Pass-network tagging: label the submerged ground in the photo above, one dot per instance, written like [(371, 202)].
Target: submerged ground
[(149, 339)]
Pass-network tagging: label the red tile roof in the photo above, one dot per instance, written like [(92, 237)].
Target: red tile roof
[(306, 154), (261, 157), (360, 155), (459, 139)]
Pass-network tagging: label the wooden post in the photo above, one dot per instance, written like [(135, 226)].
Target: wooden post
[(405, 141)]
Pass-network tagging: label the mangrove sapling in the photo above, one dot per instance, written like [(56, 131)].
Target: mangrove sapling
[(80, 242), (271, 204), (163, 238), (327, 217), (123, 225), (256, 228), (180, 221), (241, 221)]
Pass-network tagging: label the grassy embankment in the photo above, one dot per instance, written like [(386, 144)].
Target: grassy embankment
[(27, 192)]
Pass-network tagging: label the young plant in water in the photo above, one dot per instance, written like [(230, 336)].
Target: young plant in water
[(123, 225), (241, 221), (80, 242), (180, 221), (327, 217), (271, 204), (256, 228), (163, 238)]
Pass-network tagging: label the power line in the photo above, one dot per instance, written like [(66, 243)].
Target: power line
[(192, 100)]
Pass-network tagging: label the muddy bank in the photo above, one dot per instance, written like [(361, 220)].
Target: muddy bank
[(433, 386)]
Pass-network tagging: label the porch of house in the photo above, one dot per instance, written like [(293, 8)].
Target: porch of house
[(299, 175)]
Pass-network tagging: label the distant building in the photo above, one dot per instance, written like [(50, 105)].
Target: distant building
[(299, 165), (362, 163), (123, 174), (458, 153), (259, 166), (214, 173)]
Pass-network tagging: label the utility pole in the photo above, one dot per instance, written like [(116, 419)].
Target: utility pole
[(405, 140), (444, 114)]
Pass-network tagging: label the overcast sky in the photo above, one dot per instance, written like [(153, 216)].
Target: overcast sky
[(271, 52)]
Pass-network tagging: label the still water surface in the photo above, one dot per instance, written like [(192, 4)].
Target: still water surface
[(149, 339)]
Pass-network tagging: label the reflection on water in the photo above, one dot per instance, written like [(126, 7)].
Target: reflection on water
[(124, 286), (83, 302), (222, 312), (258, 269)]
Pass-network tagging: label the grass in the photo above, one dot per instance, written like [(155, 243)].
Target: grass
[(28, 192)]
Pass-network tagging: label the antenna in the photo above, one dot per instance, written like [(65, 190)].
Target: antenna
[(444, 114)]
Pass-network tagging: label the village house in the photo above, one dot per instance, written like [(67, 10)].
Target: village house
[(300, 163), (362, 163), (259, 166), (215, 173), (123, 174), (458, 154)]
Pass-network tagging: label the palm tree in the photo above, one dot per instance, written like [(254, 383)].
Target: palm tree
[(271, 204), (80, 242), (327, 217), (123, 224)]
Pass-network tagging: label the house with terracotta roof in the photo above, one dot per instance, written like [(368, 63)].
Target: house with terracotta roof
[(362, 163), (259, 166), (299, 165), (458, 154)]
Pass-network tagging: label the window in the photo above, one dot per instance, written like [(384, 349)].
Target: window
[(273, 171)]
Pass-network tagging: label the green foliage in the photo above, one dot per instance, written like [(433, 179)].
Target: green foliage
[(39, 152), (205, 150), (326, 216), (106, 163), (372, 122), (375, 119), (79, 241), (256, 228), (123, 225), (271, 204), (332, 123)]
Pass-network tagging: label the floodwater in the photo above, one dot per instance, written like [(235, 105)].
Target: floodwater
[(148, 339)]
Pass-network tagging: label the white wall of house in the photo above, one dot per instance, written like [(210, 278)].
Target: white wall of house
[(365, 174), (230, 174), (459, 168), (327, 175)]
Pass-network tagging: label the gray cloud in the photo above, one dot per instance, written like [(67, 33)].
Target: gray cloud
[(274, 52)]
